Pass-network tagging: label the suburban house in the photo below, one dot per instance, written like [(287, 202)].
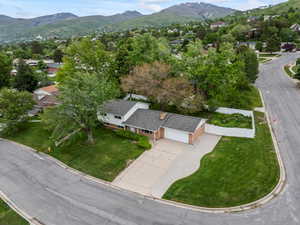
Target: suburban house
[(46, 96), (52, 68), (218, 24), (295, 27), (138, 118)]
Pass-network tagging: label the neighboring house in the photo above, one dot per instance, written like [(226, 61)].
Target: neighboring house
[(295, 27), (218, 24), (249, 44), (253, 19), (52, 68), (269, 17), (138, 118), (13, 72), (46, 96)]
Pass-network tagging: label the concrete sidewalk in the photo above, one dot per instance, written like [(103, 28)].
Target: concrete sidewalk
[(156, 170)]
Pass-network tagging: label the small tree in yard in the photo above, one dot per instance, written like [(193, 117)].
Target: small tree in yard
[(273, 44), (81, 97), (259, 46), (14, 106)]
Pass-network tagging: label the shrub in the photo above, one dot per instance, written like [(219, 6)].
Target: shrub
[(142, 141), (127, 134)]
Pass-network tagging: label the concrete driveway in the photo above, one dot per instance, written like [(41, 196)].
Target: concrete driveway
[(156, 170)]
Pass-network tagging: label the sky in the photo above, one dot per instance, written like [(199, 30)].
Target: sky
[(34, 8)]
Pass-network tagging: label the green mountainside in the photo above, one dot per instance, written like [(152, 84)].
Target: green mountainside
[(279, 8), (23, 29)]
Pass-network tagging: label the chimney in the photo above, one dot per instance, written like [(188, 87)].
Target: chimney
[(163, 115)]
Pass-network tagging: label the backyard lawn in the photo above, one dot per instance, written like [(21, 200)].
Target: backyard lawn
[(231, 120), (238, 171), (105, 159), (10, 217)]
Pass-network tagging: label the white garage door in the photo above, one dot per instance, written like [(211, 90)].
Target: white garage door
[(176, 135)]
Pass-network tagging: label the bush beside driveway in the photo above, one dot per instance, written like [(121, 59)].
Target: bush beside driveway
[(238, 171)]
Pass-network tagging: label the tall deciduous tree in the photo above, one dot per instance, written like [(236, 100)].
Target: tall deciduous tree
[(14, 106), (85, 56), (5, 68), (251, 62), (273, 44), (154, 81), (81, 97), (25, 79), (58, 55)]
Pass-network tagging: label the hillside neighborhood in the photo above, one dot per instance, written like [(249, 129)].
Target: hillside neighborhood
[(182, 116)]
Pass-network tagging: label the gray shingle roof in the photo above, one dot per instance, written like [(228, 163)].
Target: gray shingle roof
[(150, 120), (118, 107), (181, 122), (145, 119)]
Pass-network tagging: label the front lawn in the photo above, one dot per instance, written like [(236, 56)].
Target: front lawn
[(238, 171), (231, 120), (10, 217), (105, 159)]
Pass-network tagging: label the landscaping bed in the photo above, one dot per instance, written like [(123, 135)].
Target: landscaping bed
[(9, 216), (268, 55), (238, 171), (105, 159), (231, 120), (288, 71)]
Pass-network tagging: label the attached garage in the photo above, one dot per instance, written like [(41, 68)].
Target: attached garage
[(176, 135)]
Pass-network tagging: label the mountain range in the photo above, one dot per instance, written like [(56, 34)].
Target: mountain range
[(65, 25)]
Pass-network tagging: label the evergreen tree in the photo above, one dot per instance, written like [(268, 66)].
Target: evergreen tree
[(5, 68), (273, 44), (58, 56), (25, 79)]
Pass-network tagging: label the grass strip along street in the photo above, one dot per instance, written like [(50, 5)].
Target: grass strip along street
[(9, 216)]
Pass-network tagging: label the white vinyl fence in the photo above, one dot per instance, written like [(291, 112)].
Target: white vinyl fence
[(232, 132), (136, 97)]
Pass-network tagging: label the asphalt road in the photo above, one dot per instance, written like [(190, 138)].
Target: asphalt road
[(57, 197)]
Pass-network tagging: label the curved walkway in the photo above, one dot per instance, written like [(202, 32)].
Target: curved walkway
[(48, 192)]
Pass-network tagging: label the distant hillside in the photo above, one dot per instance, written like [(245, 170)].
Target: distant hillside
[(65, 25), (61, 25), (6, 19), (182, 13), (279, 8), (199, 10)]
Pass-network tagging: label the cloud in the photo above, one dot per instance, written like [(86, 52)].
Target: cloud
[(151, 5)]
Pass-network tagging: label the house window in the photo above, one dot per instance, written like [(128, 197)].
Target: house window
[(118, 117), (146, 131)]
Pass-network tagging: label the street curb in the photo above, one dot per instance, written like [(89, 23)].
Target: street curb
[(30, 220), (292, 79)]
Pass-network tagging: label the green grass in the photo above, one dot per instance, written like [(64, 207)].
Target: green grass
[(268, 55), (287, 70), (263, 60), (105, 159), (238, 171), (10, 217), (232, 120)]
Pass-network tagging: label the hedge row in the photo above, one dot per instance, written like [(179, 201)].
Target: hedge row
[(142, 141)]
